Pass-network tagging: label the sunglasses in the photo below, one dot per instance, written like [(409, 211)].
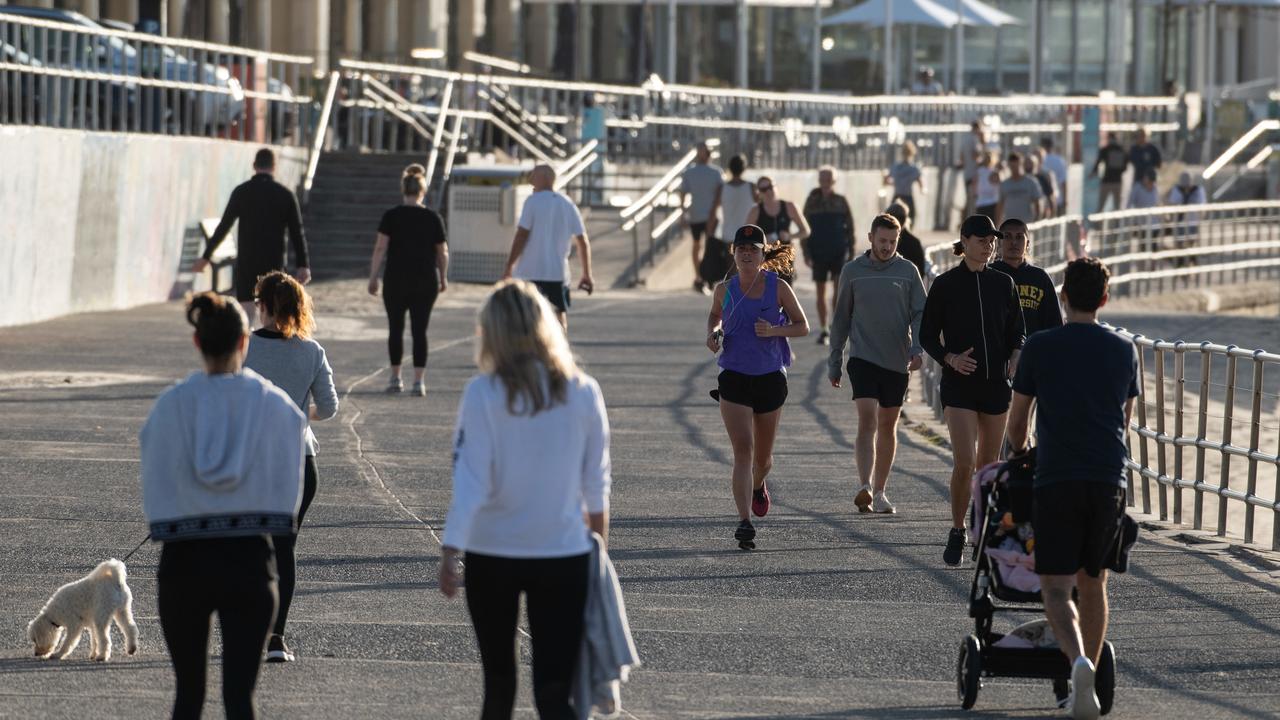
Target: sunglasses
[(765, 188)]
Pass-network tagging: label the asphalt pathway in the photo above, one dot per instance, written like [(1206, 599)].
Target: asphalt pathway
[(836, 615)]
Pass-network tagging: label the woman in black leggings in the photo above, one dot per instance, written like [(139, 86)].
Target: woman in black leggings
[(411, 238), (517, 510), (214, 491)]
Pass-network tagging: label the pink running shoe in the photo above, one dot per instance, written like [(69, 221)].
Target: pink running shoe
[(760, 501)]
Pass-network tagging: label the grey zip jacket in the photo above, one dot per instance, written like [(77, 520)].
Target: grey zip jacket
[(877, 303)]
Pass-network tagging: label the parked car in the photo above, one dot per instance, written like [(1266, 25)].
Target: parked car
[(117, 102), (215, 109)]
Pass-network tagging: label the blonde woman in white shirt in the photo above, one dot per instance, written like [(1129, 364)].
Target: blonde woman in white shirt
[(521, 512)]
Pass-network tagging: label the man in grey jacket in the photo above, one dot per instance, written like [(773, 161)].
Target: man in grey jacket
[(879, 305)]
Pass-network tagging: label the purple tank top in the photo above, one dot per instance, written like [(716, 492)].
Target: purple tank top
[(743, 351)]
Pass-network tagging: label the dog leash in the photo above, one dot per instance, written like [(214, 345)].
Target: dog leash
[(131, 552)]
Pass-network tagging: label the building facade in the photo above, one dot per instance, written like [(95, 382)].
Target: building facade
[(1139, 47)]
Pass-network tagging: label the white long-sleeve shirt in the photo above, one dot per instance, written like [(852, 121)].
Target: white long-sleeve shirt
[(521, 483)]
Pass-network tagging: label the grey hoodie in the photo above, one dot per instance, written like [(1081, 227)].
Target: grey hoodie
[(222, 456), (876, 304)]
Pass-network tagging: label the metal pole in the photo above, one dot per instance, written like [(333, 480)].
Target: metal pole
[(671, 40), (744, 41), (888, 47), (1211, 76), (816, 70), (959, 84)]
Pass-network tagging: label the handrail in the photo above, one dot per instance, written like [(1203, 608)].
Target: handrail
[(445, 98), (1114, 215), (322, 132), (390, 107), (1238, 147), (563, 180), (141, 81), (568, 163), (660, 186)]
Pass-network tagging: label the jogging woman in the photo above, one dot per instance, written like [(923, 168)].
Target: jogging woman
[(972, 326), (517, 510), (752, 315), (411, 237), (775, 217), (283, 352), (222, 455)]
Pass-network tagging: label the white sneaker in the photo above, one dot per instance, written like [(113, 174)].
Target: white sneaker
[(419, 389), (880, 504), (863, 499), (1083, 702)]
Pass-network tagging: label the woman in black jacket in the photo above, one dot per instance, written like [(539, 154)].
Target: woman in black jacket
[(973, 327)]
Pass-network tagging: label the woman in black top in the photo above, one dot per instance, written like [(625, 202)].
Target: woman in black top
[(411, 237), (972, 326), (774, 217)]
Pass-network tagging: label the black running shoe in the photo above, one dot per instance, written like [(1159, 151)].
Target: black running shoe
[(746, 532), (955, 547), (277, 651)]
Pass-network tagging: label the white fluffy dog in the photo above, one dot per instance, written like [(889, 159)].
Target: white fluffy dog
[(90, 603)]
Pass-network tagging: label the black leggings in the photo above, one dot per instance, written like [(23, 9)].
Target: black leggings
[(556, 598), (286, 561), (234, 577), (419, 307)]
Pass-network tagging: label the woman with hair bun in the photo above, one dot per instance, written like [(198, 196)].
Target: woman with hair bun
[(221, 473), (283, 352), (411, 238)]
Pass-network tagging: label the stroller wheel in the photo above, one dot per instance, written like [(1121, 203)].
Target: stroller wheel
[(1105, 680), (969, 672)]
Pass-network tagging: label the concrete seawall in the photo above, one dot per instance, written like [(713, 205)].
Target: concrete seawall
[(96, 221)]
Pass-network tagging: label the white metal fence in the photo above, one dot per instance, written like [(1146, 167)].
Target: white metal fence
[(1208, 422), (87, 77)]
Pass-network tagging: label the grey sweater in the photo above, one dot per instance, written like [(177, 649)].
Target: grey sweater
[(876, 304), (299, 367)]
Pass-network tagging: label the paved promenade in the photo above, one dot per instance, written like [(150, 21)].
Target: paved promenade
[(835, 616)]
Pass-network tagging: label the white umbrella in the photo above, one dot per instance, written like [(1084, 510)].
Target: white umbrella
[(887, 13), (879, 13), (981, 13)]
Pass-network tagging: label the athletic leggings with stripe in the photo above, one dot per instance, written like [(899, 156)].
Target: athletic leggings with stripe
[(235, 578)]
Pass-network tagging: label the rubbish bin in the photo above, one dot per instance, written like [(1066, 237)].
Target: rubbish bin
[(484, 204)]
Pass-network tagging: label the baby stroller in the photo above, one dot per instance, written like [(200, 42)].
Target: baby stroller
[(1004, 581)]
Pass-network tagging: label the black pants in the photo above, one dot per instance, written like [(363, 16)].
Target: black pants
[(286, 561), (419, 307), (556, 597), (236, 578)]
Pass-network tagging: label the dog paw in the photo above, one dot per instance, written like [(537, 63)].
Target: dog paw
[(133, 650)]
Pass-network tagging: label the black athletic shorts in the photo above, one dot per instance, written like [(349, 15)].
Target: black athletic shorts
[(762, 393), (869, 380), (1076, 524), (989, 397), (555, 292), (827, 270), (697, 230)]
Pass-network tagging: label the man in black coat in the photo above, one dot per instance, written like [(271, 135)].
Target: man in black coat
[(266, 211)]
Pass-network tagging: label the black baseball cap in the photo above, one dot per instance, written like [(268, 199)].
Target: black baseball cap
[(979, 225), (749, 235)]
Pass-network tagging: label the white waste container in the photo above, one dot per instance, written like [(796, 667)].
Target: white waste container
[(484, 205)]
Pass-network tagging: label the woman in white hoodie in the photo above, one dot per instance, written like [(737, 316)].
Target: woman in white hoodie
[(222, 458), (518, 506)]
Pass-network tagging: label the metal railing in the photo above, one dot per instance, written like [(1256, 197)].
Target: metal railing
[(87, 77), (1256, 143), (662, 196), (1203, 447), (655, 124)]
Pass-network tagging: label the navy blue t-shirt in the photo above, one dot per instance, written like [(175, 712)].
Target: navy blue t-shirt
[(1081, 375)]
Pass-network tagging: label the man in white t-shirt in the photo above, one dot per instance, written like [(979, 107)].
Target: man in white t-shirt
[(549, 224)]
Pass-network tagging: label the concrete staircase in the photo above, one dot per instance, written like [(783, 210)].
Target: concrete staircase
[(349, 196)]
